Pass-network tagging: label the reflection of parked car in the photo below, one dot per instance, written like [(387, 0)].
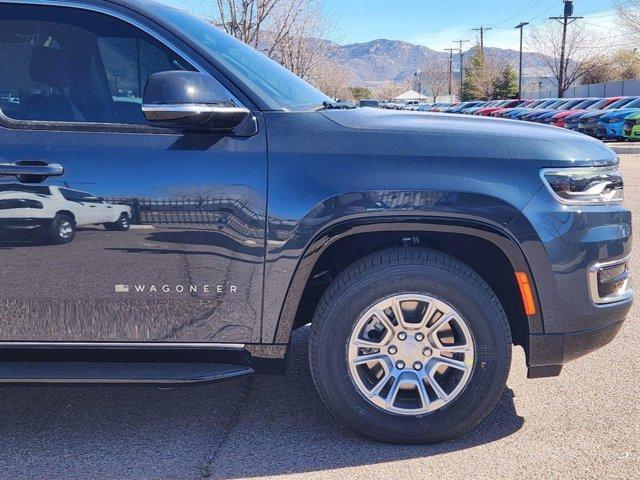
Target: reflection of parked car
[(370, 102), (57, 211)]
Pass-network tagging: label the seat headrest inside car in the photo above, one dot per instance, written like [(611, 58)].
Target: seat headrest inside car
[(49, 67)]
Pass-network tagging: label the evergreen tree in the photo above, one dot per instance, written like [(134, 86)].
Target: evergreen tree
[(359, 93), (472, 72), (506, 84)]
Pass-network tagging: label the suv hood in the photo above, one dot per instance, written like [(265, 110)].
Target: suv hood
[(479, 137)]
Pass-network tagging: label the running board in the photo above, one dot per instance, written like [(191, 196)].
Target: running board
[(110, 372)]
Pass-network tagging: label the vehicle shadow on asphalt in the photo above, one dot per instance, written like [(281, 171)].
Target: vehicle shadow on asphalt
[(248, 427), (286, 429)]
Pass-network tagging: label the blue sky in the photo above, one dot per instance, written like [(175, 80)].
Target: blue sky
[(435, 23)]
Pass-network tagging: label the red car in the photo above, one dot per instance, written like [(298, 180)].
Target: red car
[(504, 104), (501, 110), (558, 119)]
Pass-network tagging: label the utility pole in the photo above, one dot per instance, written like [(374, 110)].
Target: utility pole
[(481, 29), (450, 50), (521, 27), (460, 42), (566, 19)]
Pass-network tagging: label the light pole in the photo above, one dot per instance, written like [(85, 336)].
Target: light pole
[(565, 20), (521, 27), (450, 50), (460, 42)]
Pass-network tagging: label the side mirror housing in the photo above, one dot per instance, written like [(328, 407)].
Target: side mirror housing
[(191, 99)]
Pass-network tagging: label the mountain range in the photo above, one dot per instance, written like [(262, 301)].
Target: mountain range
[(380, 61)]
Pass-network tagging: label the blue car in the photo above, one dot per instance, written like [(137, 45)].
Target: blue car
[(588, 122), (564, 104), (548, 118), (463, 106), (526, 112), (537, 104), (610, 124)]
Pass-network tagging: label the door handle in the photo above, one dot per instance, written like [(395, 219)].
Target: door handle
[(31, 171)]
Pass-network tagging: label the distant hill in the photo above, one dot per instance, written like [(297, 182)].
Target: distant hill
[(379, 61)]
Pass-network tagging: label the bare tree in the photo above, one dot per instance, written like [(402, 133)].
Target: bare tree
[(288, 31), (331, 78), (629, 19), (435, 76), (244, 19), (388, 90), (582, 52), (297, 39)]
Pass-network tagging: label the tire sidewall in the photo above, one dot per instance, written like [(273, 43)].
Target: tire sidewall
[(491, 363), (55, 229)]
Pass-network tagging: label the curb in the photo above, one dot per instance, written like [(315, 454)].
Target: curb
[(625, 148)]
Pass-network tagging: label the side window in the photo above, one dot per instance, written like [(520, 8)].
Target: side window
[(77, 196), (71, 65)]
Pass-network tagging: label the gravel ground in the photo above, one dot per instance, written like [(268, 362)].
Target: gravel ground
[(584, 424)]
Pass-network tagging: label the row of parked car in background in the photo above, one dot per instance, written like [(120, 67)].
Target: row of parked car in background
[(610, 118)]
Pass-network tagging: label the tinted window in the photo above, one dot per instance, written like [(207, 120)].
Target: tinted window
[(18, 187), (63, 64), (76, 196)]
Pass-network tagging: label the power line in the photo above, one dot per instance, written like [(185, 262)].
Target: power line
[(528, 6), (460, 43), (566, 19), (481, 29)]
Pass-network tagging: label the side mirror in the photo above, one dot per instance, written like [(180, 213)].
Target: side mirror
[(191, 99)]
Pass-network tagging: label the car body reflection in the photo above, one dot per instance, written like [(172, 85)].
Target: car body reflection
[(51, 213)]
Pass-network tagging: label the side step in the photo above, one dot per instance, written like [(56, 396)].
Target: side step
[(111, 372)]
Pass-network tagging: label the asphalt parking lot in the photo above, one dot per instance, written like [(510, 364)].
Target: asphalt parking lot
[(584, 424)]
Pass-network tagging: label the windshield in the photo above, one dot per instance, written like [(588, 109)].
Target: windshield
[(633, 104), (586, 103), (276, 85), (569, 105), (599, 104), (620, 103)]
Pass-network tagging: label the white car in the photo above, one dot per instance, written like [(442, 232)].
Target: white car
[(57, 211)]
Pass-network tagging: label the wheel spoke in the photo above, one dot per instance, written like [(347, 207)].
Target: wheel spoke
[(431, 308), (443, 320), (450, 362), (380, 385), (455, 348), (380, 315), (360, 342), (397, 311), (422, 391), (361, 360), (393, 392), (440, 393)]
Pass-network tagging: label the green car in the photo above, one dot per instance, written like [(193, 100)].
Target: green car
[(631, 128)]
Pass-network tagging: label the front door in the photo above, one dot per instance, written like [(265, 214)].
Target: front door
[(189, 268)]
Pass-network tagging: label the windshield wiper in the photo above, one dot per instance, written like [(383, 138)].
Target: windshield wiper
[(337, 105)]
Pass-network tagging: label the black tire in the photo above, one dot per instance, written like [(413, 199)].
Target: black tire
[(399, 271), (122, 225), (62, 229)]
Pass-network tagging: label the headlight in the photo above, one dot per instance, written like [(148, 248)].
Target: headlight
[(12, 203), (585, 185)]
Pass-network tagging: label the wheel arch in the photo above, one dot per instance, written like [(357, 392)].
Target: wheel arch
[(455, 236), (68, 213)]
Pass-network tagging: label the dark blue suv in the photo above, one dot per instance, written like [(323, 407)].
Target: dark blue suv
[(173, 204)]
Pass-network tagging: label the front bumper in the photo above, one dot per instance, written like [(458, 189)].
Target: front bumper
[(563, 245), (610, 131), (588, 128), (631, 131), (548, 352)]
